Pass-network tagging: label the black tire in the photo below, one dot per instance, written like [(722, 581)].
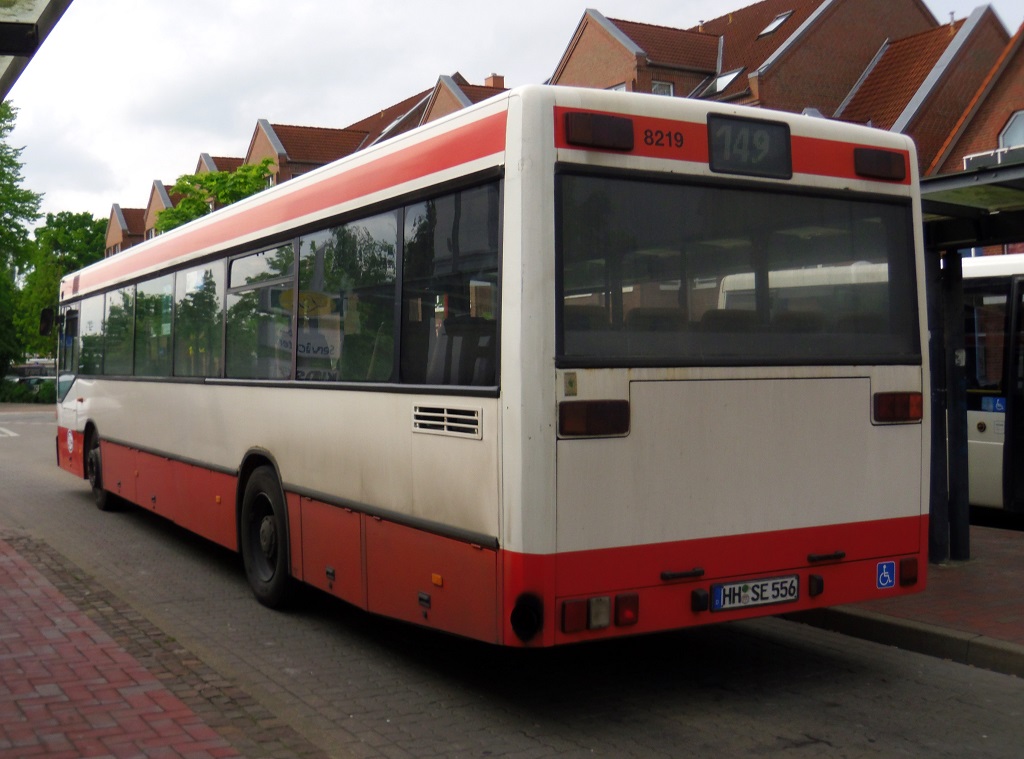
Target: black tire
[(263, 534), (104, 500)]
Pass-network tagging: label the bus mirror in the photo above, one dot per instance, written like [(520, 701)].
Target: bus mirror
[(46, 322)]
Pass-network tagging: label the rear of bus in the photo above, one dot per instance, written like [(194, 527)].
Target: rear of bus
[(738, 384)]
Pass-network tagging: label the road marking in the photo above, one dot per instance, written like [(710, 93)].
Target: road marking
[(4, 432)]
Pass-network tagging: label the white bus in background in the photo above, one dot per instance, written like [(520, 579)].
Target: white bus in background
[(481, 377), (994, 333)]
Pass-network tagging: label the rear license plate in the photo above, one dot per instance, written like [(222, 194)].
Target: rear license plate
[(761, 592)]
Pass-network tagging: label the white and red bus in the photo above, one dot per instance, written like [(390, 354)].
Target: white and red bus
[(481, 377), (994, 365)]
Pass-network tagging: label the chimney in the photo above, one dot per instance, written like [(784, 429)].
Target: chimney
[(495, 80)]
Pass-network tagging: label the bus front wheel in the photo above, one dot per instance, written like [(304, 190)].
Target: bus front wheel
[(94, 471), (264, 538)]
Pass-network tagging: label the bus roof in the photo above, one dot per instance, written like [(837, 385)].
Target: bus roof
[(465, 142)]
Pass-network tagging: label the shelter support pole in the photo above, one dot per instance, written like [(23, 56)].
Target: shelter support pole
[(938, 507), (956, 412)]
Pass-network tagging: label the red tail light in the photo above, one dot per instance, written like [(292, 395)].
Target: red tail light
[(908, 571), (593, 418), (627, 609), (892, 408)]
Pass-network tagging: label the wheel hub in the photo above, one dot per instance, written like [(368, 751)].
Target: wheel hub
[(268, 536)]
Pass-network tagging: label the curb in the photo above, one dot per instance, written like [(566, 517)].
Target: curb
[(932, 640)]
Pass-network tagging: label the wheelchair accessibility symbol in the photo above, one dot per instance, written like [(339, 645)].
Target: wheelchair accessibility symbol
[(886, 575)]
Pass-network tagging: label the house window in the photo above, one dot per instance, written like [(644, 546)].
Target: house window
[(775, 23), (662, 88), (720, 83), (1013, 135), (618, 87)]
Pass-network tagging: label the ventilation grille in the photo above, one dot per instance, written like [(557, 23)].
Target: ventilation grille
[(446, 420)]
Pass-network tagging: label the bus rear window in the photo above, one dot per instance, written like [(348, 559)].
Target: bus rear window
[(653, 273)]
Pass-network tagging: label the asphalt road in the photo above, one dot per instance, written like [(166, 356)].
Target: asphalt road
[(324, 679)]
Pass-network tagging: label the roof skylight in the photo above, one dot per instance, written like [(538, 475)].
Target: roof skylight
[(775, 23), (721, 82)]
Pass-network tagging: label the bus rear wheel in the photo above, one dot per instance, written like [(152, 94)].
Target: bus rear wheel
[(264, 538)]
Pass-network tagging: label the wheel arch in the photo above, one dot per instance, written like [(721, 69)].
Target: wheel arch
[(89, 431), (253, 460)]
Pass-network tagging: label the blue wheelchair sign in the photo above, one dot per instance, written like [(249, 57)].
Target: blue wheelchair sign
[(885, 576)]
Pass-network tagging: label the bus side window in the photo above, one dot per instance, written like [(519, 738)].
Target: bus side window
[(450, 289)]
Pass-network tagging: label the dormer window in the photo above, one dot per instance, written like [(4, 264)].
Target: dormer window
[(720, 83), (775, 23), (1013, 135)]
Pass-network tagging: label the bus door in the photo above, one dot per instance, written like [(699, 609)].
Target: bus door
[(1013, 448), (987, 315)]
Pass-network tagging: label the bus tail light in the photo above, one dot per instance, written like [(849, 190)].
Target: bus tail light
[(892, 408), (627, 609), (908, 571), (596, 613), (593, 418)]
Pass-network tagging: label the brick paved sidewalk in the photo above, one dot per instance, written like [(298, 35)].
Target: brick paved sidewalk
[(67, 689), (72, 683)]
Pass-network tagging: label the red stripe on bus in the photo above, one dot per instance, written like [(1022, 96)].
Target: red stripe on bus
[(480, 139), (835, 159), (666, 604), (688, 141)]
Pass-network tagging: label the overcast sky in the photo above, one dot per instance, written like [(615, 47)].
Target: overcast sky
[(124, 92)]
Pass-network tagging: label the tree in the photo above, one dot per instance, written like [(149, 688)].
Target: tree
[(222, 187), (66, 242), (18, 208)]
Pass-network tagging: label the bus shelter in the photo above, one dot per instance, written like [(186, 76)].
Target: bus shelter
[(979, 207)]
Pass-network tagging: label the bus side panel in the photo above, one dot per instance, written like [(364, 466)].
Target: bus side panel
[(431, 580), (155, 487), (120, 470), (205, 503), (71, 451), (331, 548), (196, 498)]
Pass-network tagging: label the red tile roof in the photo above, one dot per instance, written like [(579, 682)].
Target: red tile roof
[(478, 92), (665, 46), (318, 145), (742, 47), (889, 87), (401, 117), (225, 163), (135, 218), (967, 137)]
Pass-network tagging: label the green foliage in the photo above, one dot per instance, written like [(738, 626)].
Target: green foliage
[(10, 349), (20, 392), (67, 242), (18, 208), (195, 191)]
